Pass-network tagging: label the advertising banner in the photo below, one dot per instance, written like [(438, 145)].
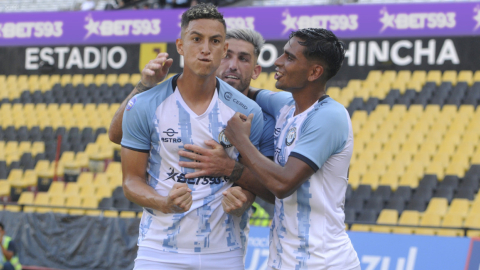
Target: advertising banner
[(274, 23), (377, 251)]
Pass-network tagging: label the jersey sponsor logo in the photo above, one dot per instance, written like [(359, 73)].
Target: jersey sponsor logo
[(203, 180), (227, 96), (223, 140), (416, 20), (291, 135), (170, 133), (130, 103)]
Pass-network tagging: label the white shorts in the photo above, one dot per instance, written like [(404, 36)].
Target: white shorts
[(148, 258)]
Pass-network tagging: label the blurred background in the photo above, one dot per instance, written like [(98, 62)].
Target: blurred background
[(410, 81)]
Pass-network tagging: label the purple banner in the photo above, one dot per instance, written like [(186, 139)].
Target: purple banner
[(274, 23)]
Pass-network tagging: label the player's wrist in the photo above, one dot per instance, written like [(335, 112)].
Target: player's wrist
[(162, 202), (237, 172), (229, 168), (141, 87)]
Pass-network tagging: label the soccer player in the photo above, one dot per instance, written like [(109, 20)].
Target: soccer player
[(313, 147), (183, 225)]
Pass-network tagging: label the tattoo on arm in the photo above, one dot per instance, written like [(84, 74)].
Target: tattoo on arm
[(141, 87), (237, 172)]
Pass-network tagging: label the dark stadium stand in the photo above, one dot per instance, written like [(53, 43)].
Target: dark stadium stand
[(415, 167)]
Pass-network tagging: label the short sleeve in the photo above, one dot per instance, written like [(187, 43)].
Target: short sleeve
[(272, 102), (135, 126), (11, 247), (267, 147), (322, 135)]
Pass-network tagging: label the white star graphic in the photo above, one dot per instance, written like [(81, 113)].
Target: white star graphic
[(92, 26), (477, 18), (289, 22), (387, 20)]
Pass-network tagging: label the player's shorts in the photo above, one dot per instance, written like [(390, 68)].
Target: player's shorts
[(148, 259)]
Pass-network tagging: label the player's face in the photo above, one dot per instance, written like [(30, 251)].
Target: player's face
[(203, 46), (238, 66), (292, 67)]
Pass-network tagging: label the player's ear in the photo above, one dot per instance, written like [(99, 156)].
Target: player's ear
[(315, 72), (256, 72), (179, 43), (225, 49)]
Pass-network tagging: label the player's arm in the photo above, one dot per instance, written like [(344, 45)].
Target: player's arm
[(236, 200), (154, 72), (9, 252), (136, 189), (281, 181)]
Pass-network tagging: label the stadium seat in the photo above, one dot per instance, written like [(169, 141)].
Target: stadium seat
[(110, 213), (408, 218), (127, 214), (429, 219), (437, 206)]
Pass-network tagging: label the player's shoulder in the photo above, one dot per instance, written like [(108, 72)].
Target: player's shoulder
[(158, 93), (328, 111), (278, 97), (236, 100)]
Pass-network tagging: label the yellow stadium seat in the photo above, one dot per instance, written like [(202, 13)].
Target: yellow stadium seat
[(135, 78), (101, 179), (100, 79), (434, 76), (56, 188), (437, 206), (476, 76), (90, 201), (389, 179), (370, 178), (459, 207), (85, 179), (388, 216), (58, 200), (65, 79), (452, 220), (374, 76), (123, 79), (103, 192), (13, 208), (140, 214), (116, 181), (74, 201), (435, 168), (449, 232), (429, 219), (361, 228), (87, 191), (110, 213), (4, 188), (450, 76), (472, 221), (128, 214), (408, 217), (72, 189), (409, 179), (404, 157), (42, 199), (111, 79), (473, 233), (466, 76)]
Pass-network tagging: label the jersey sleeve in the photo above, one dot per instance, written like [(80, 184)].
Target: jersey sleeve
[(267, 147), (272, 102), (135, 126), (256, 129), (321, 136)]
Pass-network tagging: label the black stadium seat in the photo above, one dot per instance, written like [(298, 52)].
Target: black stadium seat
[(423, 194), (450, 181), (375, 203), (355, 203), (383, 192), (465, 193), (445, 192), (428, 181), (417, 205), (350, 215), (403, 192), (367, 216), (106, 203), (396, 204)]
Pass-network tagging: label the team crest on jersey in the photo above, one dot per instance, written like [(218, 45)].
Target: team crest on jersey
[(291, 135), (131, 103), (223, 140)]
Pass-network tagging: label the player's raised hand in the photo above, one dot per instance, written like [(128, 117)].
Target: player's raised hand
[(238, 129), (179, 199), (236, 200), (156, 70)]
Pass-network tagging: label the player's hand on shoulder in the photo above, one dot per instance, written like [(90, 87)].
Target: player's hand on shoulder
[(156, 70), (236, 200), (179, 199)]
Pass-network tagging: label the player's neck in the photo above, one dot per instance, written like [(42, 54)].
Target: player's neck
[(306, 97), (196, 91)]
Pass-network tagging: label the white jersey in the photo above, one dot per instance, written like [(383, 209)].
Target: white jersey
[(159, 122), (308, 230)]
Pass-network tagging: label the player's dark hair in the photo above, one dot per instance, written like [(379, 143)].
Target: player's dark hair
[(1, 226), (202, 11), (321, 44)]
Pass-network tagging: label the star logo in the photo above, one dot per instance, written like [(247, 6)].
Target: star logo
[(289, 22), (387, 20), (91, 26), (477, 17)]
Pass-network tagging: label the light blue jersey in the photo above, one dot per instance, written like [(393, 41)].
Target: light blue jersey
[(308, 230), (159, 122)]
